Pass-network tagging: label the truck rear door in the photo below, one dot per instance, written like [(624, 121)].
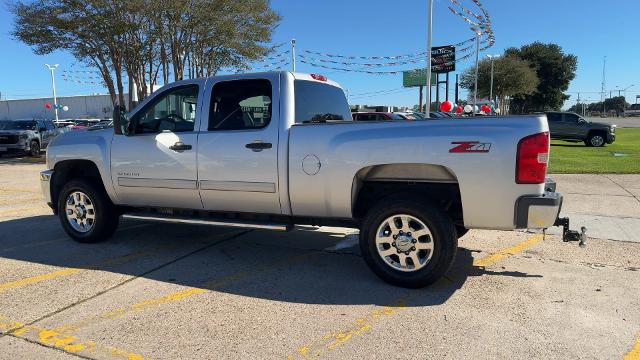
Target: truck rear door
[(237, 145)]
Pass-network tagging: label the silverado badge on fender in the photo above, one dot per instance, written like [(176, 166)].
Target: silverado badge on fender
[(470, 147)]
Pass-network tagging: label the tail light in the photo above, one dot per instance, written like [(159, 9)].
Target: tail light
[(318, 77), (532, 159)]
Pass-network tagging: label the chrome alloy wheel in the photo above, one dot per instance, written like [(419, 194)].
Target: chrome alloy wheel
[(597, 140), (80, 211), (404, 242)]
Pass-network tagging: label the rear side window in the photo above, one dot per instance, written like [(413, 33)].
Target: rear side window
[(554, 117), (571, 118), (240, 105), (319, 102)]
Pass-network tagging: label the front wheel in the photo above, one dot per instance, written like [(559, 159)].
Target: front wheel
[(34, 149), (595, 140), (86, 212), (408, 243)]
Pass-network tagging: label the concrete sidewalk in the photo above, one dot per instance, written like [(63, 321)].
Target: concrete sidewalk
[(608, 205)]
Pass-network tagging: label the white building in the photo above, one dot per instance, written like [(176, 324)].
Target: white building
[(97, 106)]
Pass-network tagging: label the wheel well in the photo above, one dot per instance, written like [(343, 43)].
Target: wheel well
[(36, 140), (444, 195), (67, 170), (596, 131)]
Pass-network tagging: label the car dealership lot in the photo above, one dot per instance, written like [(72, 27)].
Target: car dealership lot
[(168, 291)]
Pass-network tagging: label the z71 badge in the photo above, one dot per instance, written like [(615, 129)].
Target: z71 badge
[(470, 147)]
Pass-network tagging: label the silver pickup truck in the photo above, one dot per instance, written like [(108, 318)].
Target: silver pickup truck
[(271, 150)]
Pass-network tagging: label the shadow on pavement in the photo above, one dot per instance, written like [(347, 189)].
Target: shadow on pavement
[(291, 267)]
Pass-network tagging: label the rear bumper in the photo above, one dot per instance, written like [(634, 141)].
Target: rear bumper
[(538, 211)]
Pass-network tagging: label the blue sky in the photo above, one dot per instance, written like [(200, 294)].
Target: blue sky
[(381, 27)]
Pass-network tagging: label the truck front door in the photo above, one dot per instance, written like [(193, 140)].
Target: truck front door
[(156, 164), (237, 146)]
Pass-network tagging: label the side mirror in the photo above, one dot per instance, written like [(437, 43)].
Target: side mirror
[(120, 120), (582, 121)]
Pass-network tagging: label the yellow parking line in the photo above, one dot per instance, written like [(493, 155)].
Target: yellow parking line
[(634, 354), (22, 191), (494, 258), (178, 295), (334, 339), (22, 211), (60, 239), (38, 278), (67, 343), (69, 271)]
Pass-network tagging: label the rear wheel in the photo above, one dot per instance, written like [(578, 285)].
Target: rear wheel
[(408, 243), (86, 212), (595, 140)]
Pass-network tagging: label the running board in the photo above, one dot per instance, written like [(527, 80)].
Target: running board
[(211, 222)]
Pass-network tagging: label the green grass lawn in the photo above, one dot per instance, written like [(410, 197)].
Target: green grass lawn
[(576, 158)]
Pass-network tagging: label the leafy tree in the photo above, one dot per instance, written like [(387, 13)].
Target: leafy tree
[(146, 39), (512, 76), (555, 70), (616, 104)]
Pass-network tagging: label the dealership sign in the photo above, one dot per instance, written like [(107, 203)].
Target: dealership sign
[(443, 60)]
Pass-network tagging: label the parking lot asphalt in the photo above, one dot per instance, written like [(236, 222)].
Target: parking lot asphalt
[(174, 291), (626, 122)]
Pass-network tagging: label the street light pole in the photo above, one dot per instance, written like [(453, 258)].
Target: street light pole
[(293, 54), (429, 45), (492, 58), (53, 87), (475, 88)]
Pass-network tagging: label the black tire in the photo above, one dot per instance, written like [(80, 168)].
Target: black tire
[(596, 139), (34, 148), (106, 215), (461, 231), (444, 239)]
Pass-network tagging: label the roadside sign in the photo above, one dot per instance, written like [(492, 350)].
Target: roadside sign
[(413, 78), (443, 60)]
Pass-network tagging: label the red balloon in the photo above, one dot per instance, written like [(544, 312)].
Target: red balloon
[(47, 106), (485, 109), (459, 109), (446, 106)]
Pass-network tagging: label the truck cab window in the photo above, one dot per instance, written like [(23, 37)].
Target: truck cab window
[(320, 102), (173, 111), (240, 105)]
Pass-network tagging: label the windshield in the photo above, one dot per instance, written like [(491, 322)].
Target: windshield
[(17, 125)]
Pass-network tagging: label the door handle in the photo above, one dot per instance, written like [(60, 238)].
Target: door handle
[(258, 146), (180, 146)]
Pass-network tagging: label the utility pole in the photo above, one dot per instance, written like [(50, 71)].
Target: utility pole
[(429, 45), (420, 101), (604, 73), (456, 94), (293, 54), (475, 88), (493, 59), (53, 87)]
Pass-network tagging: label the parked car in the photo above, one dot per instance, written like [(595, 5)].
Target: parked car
[(376, 116), (271, 150), (633, 110), (572, 127), (411, 115), (28, 136)]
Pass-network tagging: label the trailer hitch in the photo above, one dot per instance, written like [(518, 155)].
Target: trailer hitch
[(571, 235)]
